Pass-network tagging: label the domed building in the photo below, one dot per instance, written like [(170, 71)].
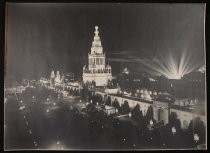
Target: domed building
[(97, 71)]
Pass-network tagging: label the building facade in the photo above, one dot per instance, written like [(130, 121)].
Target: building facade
[(56, 79), (161, 109), (97, 71)]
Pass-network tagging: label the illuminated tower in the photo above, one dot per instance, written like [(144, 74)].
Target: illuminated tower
[(97, 70), (52, 78), (58, 77)]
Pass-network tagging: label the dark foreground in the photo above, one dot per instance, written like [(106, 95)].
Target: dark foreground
[(59, 123)]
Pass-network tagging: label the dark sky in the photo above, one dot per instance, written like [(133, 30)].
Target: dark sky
[(45, 36)]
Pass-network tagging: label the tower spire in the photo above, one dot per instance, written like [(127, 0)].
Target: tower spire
[(96, 44)]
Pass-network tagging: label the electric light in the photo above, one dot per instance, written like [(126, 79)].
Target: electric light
[(171, 66), (173, 129), (196, 138), (151, 122)]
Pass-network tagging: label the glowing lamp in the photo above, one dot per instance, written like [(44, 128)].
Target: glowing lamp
[(173, 130), (151, 122), (196, 138)]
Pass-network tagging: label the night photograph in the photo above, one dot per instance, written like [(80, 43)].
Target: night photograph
[(105, 76)]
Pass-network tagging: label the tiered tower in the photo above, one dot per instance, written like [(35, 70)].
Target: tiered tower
[(52, 78), (97, 70), (58, 77)]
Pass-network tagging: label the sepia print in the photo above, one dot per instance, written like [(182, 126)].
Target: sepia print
[(112, 76)]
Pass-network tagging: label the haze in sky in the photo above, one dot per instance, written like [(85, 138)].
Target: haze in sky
[(45, 36)]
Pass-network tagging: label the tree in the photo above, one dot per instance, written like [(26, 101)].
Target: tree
[(136, 113), (149, 114), (116, 104), (108, 101), (94, 84), (197, 126), (84, 92), (125, 108), (174, 121)]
